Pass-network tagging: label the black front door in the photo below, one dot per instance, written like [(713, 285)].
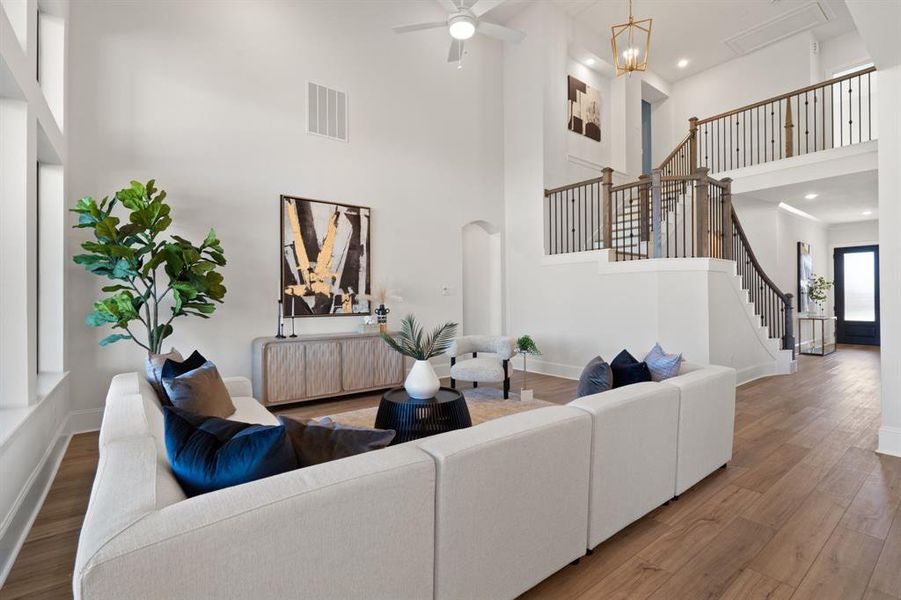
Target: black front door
[(857, 295)]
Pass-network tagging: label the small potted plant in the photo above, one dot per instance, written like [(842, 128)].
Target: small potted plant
[(526, 346), (422, 382), (818, 290)]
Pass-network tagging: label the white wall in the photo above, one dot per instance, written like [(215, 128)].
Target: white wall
[(774, 235), (482, 280), (211, 103)]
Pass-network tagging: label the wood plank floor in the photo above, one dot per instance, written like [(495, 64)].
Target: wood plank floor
[(805, 509)]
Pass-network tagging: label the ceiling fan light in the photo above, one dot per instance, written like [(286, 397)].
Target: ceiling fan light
[(461, 28)]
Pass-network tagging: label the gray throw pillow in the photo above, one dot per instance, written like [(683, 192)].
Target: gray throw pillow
[(596, 378), (153, 369), (321, 441), (200, 391)]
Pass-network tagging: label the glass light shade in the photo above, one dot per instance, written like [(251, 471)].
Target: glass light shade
[(462, 29), (631, 43)]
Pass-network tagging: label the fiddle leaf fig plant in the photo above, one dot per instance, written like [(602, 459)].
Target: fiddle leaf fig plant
[(156, 279)]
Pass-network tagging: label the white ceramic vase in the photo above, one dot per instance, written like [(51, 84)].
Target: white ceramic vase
[(422, 382)]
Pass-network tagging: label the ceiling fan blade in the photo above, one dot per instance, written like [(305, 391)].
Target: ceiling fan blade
[(448, 5), (456, 51), (483, 6), (499, 32), (418, 26)]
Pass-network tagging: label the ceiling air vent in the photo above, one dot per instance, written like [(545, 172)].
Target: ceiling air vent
[(326, 112), (785, 25)]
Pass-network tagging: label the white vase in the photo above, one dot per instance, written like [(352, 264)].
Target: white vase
[(422, 382)]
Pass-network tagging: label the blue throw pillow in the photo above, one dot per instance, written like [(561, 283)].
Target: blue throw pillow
[(209, 453), (627, 370), (662, 365), (596, 378)]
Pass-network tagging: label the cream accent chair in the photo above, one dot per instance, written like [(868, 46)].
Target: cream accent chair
[(480, 369)]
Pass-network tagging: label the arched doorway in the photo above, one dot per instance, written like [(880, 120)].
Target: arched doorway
[(482, 279)]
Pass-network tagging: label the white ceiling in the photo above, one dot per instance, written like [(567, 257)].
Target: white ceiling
[(697, 30), (839, 199)]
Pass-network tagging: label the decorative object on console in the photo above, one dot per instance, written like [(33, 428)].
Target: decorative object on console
[(818, 290), (279, 321), (584, 108), (324, 440), (422, 382), (596, 377), (805, 270), (627, 370), (209, 453), (324, 258), (133, 254), (199, 391), (662, 365), (631, 43), (381, 297)]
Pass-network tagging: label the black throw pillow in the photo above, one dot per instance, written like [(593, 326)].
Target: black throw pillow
[(627, 370), (172, 368), (322, 441), (596, 378)]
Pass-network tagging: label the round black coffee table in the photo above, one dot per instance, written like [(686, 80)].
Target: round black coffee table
[(413, 419)]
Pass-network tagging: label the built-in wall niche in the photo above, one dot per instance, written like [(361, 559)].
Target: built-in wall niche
[(326, 112)]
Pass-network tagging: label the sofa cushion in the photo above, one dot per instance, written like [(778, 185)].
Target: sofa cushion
[(662, 365), (153, 367), (209, 453), (596, 378), (325, 440), (627, 370), (200, 391)]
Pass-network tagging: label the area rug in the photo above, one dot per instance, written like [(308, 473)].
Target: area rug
[(481, 409)]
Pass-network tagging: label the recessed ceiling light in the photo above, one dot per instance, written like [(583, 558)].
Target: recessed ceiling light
[(683, 63), (867, 213), (589, 62), (810, 196)]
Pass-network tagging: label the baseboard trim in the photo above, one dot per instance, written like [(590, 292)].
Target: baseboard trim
[(889, 441), (545, 367), (31, 500), (84, 420)]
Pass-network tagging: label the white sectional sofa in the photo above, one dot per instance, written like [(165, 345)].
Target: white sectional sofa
[(484, 512)]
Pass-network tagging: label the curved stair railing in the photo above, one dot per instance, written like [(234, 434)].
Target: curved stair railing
[(773, 306)]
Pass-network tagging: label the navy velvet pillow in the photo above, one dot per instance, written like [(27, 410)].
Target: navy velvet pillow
[(172, 369), (627, 370), (209, 453)]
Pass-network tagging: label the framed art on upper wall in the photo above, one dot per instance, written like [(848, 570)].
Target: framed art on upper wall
[(805, 270), (583, 108), (325, 259)]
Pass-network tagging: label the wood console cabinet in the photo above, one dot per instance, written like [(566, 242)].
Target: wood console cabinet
[(309, 367)]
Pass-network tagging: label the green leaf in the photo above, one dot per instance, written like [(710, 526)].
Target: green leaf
[(98, 319), (110, 339), (114, 288), (211, 239), (106, 229), (123, 270)]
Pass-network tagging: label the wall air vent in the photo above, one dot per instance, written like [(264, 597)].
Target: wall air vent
[(326, 112), (785, 25)]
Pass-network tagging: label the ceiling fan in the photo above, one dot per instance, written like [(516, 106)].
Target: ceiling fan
[(465, 21)]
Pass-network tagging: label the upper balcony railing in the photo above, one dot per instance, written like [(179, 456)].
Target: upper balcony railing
[(826, 115)]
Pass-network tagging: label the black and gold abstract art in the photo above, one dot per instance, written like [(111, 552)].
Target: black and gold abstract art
[(324, 257)]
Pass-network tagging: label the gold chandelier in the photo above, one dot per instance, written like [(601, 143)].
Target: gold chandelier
[(631, 44)]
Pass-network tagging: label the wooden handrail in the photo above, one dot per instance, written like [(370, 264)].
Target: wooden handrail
[(675, 151), (780, 97), (563, 188), (766, 279)]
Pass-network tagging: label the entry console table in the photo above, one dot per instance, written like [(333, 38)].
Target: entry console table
[(309, 367)]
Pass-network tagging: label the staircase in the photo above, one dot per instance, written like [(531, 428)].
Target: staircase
[(681, 211)]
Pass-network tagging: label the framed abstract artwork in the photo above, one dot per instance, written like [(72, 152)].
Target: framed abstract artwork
[(583, 108), (325, 259), (805, 270)]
